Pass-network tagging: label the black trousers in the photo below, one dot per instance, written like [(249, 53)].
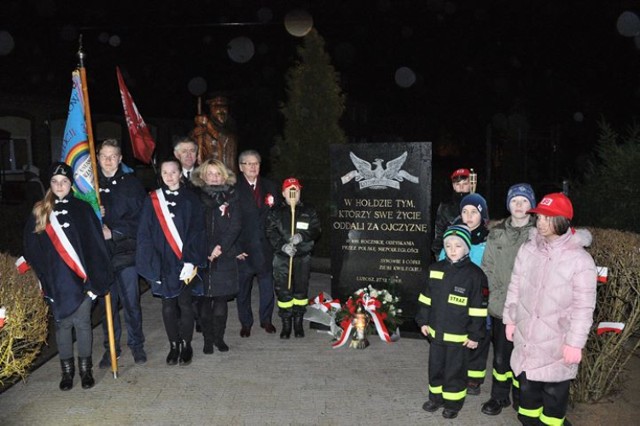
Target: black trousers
[(296, 297), (448, 375), (209, 308), (542, 402), (478, 359), (177, 315), (503, 381)]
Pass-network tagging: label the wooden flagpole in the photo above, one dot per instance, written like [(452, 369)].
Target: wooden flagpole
[(292, 204), (96, 185)]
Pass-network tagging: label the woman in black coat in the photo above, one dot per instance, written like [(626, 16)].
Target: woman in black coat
[(223, 225)]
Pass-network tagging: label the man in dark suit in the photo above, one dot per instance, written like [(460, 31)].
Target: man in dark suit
[(186, 151), (256, 195)]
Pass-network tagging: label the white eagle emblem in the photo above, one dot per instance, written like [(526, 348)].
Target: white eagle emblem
[(378, 177)]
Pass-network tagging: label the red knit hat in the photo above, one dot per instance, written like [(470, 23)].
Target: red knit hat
[(556, 204)]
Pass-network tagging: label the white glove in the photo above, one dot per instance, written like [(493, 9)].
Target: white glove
[(91, 295), (289, 249), (186, 272), (296, 239)]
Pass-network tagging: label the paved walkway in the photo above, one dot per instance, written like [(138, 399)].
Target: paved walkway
[(262, 380)]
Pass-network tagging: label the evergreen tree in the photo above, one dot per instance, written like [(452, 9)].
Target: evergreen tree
[(609, 195), (312, 112)]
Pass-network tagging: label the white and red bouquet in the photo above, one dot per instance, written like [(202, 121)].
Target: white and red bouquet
[(380, 305)]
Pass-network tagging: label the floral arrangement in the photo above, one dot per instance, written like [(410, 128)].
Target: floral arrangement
[(380, 305)]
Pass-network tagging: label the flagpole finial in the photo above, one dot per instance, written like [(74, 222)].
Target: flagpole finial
[(81, 54)]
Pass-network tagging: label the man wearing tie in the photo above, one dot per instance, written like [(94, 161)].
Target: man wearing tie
[(256, 197), (186, 151)]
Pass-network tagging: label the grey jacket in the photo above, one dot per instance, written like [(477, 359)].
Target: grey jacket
[(503, 243)]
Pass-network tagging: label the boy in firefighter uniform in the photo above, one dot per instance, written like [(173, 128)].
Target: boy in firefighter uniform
[(451, 314), (292, 229)]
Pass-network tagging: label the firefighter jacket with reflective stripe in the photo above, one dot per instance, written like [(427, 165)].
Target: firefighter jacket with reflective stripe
[(452, 304)]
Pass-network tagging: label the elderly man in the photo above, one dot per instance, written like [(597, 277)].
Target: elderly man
[(121, 195), (256, 197), (186, 151)]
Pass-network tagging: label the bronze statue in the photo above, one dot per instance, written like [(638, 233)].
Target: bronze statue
[(214, 134)]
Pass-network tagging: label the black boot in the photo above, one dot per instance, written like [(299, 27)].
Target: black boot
[(298, 328), (174, 353), (208, 346), (208, 335), (286, 327), (68, 371), (493, 407), (186, 353), (86, 375), (219, 325)]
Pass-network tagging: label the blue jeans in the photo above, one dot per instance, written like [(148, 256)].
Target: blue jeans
[(126, 291), (267, 298)]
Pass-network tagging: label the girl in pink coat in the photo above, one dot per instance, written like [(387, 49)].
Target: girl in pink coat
[(549, 311)]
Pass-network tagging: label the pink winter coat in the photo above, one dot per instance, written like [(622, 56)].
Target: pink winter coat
[(551, 298)]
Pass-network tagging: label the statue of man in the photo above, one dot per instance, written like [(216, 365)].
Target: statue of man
[(214, 134)]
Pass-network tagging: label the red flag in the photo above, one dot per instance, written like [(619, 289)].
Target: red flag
[(141, 139)]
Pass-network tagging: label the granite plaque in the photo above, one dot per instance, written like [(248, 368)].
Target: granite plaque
[(380, 219)]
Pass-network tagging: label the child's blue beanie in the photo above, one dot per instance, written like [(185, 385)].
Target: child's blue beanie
[(524, 190)]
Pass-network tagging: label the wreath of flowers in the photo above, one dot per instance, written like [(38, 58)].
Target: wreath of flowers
[(380, 306)]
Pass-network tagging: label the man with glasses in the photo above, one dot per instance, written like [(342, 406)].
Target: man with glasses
[(121, 198), (256, 195)]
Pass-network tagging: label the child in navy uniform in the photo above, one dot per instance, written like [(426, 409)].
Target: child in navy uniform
[(63, 243), (451, 314), (171, 246)]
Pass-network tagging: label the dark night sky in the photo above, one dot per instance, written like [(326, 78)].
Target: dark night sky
[(545, 59)]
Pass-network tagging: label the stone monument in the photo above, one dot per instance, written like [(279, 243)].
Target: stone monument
[(380, 219)]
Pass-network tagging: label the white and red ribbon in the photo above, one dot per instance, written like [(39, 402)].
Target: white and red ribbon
[(64, 247), (324, 303), (370, 304), (269, 200), (22, 265), (166, 222), (613, 327), (223, 209), (603, 274), (344, 337)]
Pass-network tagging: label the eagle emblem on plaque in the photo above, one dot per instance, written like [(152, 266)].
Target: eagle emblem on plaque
[(377, 176)]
